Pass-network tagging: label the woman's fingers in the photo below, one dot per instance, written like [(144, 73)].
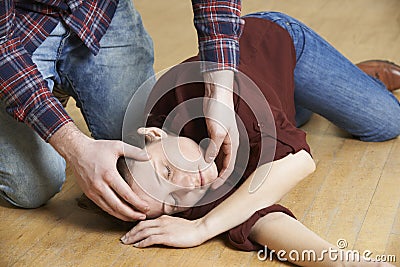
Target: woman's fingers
[(151, 240), (166, 230), (143, 230)]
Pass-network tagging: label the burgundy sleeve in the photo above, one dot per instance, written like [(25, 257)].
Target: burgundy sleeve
[(239, 236)]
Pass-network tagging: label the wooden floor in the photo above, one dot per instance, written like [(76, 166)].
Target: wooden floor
[(353, 195)]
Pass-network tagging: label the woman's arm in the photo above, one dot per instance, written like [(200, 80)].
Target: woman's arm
[(292, 241), (283, 234), (281, 176)]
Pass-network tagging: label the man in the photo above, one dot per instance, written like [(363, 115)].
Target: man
[(98, 52)]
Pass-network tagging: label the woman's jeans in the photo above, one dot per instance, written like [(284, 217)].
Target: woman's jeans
[(330, 85), (31, 171)]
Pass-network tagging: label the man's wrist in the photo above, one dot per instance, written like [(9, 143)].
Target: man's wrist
[(219, 83), (67, 140)]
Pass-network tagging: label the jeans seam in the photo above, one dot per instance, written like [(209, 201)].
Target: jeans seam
[(80, 99), (61, 48)]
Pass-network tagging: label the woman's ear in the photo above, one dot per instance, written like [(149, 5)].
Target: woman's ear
[(152, 134)]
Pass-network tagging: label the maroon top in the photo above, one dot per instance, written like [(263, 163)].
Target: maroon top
[(268, 58)]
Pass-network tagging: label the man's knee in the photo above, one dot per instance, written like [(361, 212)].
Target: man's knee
[(385, 134), (32, 188), (385, 129)]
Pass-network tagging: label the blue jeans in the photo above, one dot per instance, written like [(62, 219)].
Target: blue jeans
[(328, 84), (31, 171)]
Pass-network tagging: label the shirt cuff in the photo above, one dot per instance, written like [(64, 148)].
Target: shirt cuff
[(47, 118), (219, 54)]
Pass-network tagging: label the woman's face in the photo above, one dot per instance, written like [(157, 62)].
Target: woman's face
[(175, 178)]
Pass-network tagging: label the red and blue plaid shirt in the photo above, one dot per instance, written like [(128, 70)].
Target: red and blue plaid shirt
[(25, 24)]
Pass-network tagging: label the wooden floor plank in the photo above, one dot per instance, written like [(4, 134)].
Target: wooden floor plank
[(393, 248)]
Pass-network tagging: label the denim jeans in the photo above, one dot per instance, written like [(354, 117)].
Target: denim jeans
[(328, 84), (31, 171)]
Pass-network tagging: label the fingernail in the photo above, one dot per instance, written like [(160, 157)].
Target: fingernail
[(123, 239), (136, 245), (142, 217)]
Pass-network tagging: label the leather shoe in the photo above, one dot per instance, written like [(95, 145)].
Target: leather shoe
[(385, 71)]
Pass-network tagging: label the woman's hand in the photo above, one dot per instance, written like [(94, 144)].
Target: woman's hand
[(166, 230)]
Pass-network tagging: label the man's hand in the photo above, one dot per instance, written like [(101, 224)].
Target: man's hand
[(166, 230), (221, 122), (94, 164)]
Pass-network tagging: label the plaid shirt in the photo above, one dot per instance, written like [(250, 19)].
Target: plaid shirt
[(219, 27), (25, 24)]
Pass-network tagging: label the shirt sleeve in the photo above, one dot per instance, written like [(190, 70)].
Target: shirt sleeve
[(239, 236), (22, 88), (219, 27)]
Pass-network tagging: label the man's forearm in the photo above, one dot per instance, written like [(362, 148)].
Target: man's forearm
[(282, 176), (68, 140)]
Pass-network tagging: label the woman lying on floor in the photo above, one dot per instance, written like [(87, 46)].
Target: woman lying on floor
[(296, 73)]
